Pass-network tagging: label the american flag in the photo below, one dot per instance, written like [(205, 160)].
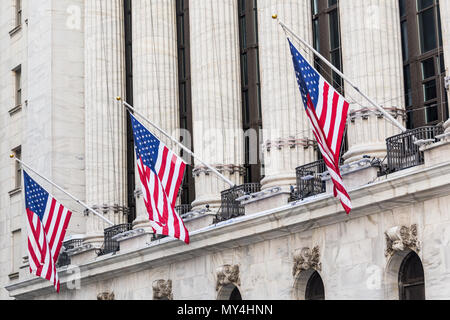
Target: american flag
[(327, 111), (47, 222), (161, 173)]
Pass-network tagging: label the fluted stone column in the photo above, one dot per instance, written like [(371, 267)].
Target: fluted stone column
[(372, 58), (105, 119), (155, 74), (216, 96), (445, 21), (286, 130)]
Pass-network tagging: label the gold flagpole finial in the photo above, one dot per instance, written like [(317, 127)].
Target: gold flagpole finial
[(118, 98), (12, 156), (274, 16)]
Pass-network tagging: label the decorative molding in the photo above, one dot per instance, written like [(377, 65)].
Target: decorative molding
[(106, 296), (228, 168), (365, 113), (259, 195), (128, 234), (162, 290), (105, 208), (227, 274), (305, 259), (290, 142), (401, 238)]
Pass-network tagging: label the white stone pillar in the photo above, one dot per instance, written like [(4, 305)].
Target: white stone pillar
[(105, 118), (445, 22), (216, 96), (155, 74), (372, 59), (286, 130)]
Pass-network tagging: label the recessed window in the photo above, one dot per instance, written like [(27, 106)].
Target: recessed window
[(18, 7), (18, 86), (16, 250), (17, 168), (423, 66), (411, 278), (315, 289)]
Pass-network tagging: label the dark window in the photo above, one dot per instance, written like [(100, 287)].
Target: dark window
[(18, 12), (235, 294), (314, 288), (425, 96), (327, 39), (18, 85), (187, 192), (251, 87), (411, 278), (18, 168), (129, 96)]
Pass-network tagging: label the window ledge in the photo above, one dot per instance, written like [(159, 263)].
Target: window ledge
[(15, 110), (15, 191), (15, 30), (13, 276)]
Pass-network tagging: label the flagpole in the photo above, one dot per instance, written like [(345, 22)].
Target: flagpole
[(381, 109), (228, 181), (61, 189)]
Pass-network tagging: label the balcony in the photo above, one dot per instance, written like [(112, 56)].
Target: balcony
[(403, 150), (309, 181), (64, 259), (183, 209), (231, 208), (110, 245)]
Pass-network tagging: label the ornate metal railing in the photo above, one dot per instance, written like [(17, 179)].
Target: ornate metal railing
[(64, 259), (230, 208), (110, 245), (183, 209), (309, 181), (403, 151)]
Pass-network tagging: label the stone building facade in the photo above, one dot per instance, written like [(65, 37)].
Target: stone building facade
[(218, 74)]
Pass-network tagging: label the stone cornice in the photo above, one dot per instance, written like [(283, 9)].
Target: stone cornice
[(365, 113), (395, 191), (290, 142)]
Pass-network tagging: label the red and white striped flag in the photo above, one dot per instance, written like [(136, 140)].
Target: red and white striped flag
[(161, 173), (47, 222), (327, 111)]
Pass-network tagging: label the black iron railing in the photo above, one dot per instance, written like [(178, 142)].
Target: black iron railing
[(183, 209), (309, 181), (110, 245), (230, 208), (63, 258), (402, 150)]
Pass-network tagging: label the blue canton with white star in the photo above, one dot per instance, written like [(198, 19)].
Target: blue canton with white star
[(307, 77), (35, 196), (145, 144)]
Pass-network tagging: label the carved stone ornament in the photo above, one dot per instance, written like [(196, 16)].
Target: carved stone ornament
[(106, 296), (401, 238), (227, 274), (162, 290), (305, 259)]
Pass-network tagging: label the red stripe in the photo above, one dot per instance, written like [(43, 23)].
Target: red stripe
[(55, 228), (50, 215), (63, 234), (173, 163), (333, 121), (33, 255), (323, 116), (178, 183), (163, 163), (341, 130)]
